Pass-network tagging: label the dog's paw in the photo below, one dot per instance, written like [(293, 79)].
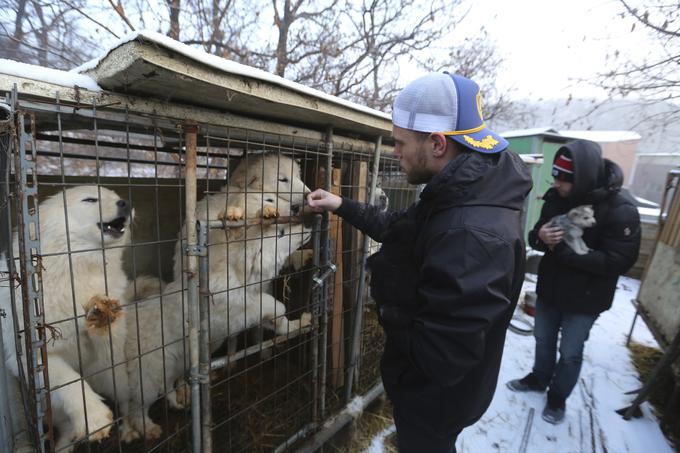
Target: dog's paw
[(305, 320), (232, 213), (269, 211), (99, 423), (153, 431), (180, 397), (101, 313), (128, 433)]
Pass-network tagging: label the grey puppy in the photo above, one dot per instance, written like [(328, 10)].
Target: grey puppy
[(573, 223)]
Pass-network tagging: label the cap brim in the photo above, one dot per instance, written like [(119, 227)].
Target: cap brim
[(483, 141)]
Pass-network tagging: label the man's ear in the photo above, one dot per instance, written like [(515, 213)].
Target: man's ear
[(439, 144)]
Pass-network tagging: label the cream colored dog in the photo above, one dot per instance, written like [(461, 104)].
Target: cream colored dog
[(238, 265), (84, 303)]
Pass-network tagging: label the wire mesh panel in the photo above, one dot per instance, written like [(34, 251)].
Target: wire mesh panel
[(182, 298)]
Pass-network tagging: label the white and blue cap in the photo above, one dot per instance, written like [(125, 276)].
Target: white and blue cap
[(450, 104)]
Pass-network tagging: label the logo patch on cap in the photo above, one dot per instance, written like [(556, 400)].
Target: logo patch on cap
[(487, 142)]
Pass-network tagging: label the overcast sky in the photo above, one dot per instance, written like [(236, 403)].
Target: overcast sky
[(547, 45)]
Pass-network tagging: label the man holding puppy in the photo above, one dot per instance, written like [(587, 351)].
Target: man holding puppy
[(449, 272), (574, 289)]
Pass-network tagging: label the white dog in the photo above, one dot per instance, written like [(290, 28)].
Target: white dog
[(83, 303), (237, 266), (573, 223)]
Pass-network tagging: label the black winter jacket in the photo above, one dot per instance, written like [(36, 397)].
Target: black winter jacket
[(447, 279), (586, 283)]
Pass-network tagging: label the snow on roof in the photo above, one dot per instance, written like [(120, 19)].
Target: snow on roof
[(225, 65), (55, 76), (528, 132), (602, 136)]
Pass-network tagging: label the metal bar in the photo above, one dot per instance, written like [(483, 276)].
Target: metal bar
[(204, 347), (330, 269), (316, 303), (28, 229), (359, 308), (190, 131), (221, 362), (350, 413), (301, 434)]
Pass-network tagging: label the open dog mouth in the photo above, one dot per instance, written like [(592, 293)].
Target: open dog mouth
[(114, 228)]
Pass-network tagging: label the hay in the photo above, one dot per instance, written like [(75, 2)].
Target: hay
[(644, 360)]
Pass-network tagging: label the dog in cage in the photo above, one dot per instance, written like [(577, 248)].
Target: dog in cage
[(573, 223), (83, 232), (242, 264)]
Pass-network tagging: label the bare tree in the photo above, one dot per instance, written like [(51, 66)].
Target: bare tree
[(655, 78)]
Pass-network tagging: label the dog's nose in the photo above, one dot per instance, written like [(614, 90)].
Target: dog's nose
[(295, 209), (121, 203)]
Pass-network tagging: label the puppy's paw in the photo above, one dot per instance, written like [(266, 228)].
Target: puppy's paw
[(101, 313), (232, 213), (180, 397), (128, 433), (269, 211), (153, 431), (305, 320), (99, 423)]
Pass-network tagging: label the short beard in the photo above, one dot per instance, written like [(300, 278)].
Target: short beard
[(419, 174)]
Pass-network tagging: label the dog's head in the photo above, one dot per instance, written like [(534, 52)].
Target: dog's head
[(381, 199), (582, 216), (94, 213), (271, 173)]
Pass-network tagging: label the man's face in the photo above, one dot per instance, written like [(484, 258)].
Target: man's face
[(563, 187), (411, 150)]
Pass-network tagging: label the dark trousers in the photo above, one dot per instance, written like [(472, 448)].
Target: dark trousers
[(413, 438), (560, 376)]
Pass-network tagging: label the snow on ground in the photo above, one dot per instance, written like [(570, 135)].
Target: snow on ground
[(591, 423)]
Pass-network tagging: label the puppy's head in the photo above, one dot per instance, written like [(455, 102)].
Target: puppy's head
[(94, 213), (271, 173), (381, 199), (582, 216)]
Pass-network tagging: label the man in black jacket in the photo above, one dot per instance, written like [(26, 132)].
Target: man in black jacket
[(450, 269), (574, 289)]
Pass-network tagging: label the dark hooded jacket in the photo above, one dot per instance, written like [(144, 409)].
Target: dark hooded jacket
[(586, 283), (447, 279)]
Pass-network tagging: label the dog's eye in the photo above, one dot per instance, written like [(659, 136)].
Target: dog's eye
[(284, 179), (269, 200), (89, 200)]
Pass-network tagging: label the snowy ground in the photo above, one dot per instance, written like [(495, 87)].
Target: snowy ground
[(591, 423)]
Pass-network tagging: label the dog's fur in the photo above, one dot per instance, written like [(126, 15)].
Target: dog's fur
[(81, 284), (267, 186), (573, 223)]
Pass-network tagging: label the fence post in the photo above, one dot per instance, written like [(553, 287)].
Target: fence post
[(359, 305), (190, 132), (204, 367)]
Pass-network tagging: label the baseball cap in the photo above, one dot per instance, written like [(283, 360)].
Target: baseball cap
[(450, 104)]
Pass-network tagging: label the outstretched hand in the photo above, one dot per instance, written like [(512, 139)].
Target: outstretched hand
[(320, 201)]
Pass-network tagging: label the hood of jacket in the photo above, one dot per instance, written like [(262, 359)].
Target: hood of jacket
[(473, 178), (595, 178)]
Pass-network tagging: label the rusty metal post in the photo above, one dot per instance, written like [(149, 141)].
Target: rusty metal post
[(192, 252), (204, 348)]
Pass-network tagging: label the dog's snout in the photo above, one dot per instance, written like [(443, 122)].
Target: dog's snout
[(295, 209), (121, 203)]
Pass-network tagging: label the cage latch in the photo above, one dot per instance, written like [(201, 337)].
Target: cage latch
[(324, 273), (196, 250)]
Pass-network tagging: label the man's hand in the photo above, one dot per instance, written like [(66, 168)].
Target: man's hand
[(320, 201), (551, 236)]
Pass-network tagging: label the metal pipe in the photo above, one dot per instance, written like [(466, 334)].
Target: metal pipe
[(316, 303), (350, 413), (204, 347), (330, 270), (309, 427), (190, 131), (359, 308)]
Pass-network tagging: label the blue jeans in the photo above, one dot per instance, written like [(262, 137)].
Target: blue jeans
[(563, 375)]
